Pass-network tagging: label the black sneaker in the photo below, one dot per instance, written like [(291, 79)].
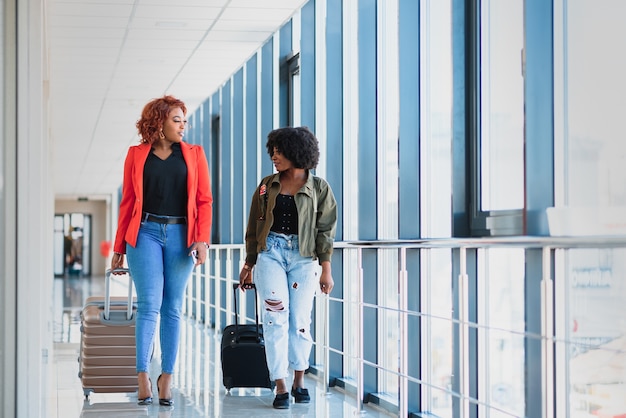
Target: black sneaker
[(301, 395), (281, 401)]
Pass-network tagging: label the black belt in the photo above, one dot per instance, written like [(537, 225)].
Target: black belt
[(164, 219)]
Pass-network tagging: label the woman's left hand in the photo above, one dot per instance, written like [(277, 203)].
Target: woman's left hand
[(201, 250), (326, 282)]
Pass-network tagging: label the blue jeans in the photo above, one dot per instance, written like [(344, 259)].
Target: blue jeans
[(286, 283), (160, 267)]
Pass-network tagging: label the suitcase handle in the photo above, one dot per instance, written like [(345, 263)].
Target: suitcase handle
[(107, 292), (256, 312)]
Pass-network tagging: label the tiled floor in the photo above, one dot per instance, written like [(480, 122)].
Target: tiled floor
[(198, 389)]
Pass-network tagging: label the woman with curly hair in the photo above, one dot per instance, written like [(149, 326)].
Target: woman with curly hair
[(291, 229), (164, 227)]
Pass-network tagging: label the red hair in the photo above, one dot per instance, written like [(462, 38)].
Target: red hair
[(154, 115)]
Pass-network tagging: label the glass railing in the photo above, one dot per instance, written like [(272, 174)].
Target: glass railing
[(498, 327)]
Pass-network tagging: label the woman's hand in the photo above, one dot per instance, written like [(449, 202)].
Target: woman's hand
[(326, 279), (201, 249), (245, 277), (117, 262)]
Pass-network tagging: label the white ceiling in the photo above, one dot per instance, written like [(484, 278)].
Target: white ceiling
[(107, 58)]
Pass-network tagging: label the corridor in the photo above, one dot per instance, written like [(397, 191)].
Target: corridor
[(198, 389)]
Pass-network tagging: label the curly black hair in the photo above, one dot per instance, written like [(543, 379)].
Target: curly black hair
[(299, 145)]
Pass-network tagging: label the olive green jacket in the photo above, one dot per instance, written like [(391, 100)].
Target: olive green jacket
[(317, 218)]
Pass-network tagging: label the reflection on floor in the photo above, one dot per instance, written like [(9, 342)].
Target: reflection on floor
[(198, 389)]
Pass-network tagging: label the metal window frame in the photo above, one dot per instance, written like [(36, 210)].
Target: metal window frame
[(481, 222)]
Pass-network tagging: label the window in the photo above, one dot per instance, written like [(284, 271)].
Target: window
[(498, 118), (591, 200)]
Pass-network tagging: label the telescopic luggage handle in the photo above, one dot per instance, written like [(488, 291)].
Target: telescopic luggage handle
[(107, 293), (256, 311)]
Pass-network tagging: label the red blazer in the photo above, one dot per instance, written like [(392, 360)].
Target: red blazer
[(199, 204)]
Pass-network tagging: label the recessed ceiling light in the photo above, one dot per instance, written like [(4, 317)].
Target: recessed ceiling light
[(171, 24)]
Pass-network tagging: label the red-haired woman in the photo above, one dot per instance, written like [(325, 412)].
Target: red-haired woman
[(165, 216)]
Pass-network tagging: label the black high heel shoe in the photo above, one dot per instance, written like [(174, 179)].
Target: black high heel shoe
[(147, 400), (164, 401)]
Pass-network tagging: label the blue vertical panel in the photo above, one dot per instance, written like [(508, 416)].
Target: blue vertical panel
[(206, 129), (250, 144), (285, 49), (267, 101), (367, 178), (460, 133), (237, 158), (307, 66), (409, 169), (370, 320), (224, 201), (472, 278), (413, 268), (367, 120), (539, 110), (250, 141), (460, 181), (190, 134), (334, 159), (334, 104), (207, 142), (206, 139), (226, 166), (307, 85), (214, 164), (539, 107), (409, 143)]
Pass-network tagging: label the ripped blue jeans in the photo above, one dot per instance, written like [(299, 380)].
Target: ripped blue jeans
[(286, 284)]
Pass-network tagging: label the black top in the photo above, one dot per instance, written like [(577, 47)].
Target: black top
[(165, 184), (285, 215)]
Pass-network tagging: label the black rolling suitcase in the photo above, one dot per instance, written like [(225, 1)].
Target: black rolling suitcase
[(243, 352)]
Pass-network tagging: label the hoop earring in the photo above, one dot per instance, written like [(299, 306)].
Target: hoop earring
[(161, 135)]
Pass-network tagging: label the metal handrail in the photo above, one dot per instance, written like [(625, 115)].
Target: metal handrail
[(545, 243)]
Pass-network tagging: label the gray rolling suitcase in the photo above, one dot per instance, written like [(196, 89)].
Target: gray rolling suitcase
[(107, 362)]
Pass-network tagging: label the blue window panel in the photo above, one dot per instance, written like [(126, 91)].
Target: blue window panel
[(205, 130), (286, 42), (213, 156), (225, 183), (237, 157), (267, 101), (460, 134), (367, 120), (307, 80), (307, 66), (225, 290), (539, 98), (414, 331), (334, 105), (334, 166), (456, 383), (409, 179), (250, 141), (191, 136), (367, 179), (539, 105), (335, 311), (409, 130), (370, 320), (214, 163)]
